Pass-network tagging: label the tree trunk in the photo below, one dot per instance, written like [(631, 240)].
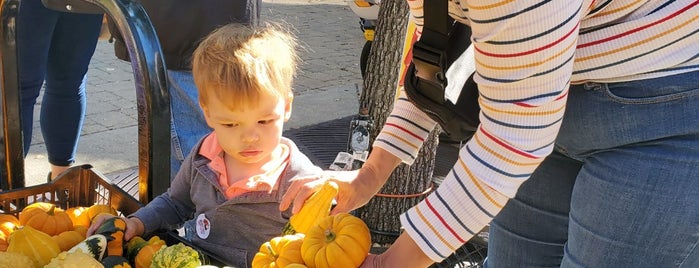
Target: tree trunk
[(407, 183)]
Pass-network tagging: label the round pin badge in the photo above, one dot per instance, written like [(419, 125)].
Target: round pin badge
[(203, 226)]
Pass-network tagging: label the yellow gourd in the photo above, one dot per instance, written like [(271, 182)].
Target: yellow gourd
[(339, 241), (74, 259), (36, 245), (280, 252), (314, 209), (15, 260)]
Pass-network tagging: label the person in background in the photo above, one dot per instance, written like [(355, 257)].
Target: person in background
[(233, 180), (588, 147), (54, 50), (178, 39)]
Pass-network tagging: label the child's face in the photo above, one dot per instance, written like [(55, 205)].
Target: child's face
[(249, 136)]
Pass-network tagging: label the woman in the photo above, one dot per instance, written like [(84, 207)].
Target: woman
[(588, 147), (55, 47)]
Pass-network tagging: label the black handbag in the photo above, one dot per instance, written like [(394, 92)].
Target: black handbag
[(441, 43), (73, 6)]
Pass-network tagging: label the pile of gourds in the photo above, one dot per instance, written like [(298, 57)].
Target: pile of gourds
[(44, 235), (313, 238)]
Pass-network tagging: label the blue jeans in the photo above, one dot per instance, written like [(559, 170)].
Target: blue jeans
[(621, 188), (56, 47), (188, 123)]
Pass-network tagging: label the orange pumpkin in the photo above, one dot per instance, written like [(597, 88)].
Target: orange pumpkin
[(81, 230), (78, 215), (97, 209), (8, 223), (52, 221), (42, 205), (3, 242), (68, 239), (339, 241), (279, 252)]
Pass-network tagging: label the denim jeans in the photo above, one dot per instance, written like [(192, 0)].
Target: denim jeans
[(56, 47), (188, 123), (621, 188)]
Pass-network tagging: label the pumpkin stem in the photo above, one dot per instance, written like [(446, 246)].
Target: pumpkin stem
[(274, 254), (51, 210), (329, 236)]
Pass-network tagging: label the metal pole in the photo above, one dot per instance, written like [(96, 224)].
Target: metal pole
[(12, 168)]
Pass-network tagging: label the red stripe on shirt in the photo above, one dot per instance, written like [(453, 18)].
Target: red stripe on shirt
[(405, 130), (436, 213), (506, 146), (639, 28), (572, 30)]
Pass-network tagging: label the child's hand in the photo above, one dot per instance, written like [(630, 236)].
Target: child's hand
[(134, 226), (299, 190), (302, 188)]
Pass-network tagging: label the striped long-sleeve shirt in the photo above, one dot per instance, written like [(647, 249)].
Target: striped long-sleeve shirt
[(527, 53)]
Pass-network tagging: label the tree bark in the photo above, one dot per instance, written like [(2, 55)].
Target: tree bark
[(407, 183)]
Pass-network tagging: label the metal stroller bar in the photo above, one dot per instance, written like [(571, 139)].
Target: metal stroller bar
[(152, 96)]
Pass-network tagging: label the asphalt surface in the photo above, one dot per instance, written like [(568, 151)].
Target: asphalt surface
[(327, 87)]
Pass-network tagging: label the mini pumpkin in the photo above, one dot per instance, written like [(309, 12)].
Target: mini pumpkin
[(79, 216), (8, 223), (339, 241), (97, 209), (68, 239), (279, 251), (50, 220), (3, 242), (144, 257)]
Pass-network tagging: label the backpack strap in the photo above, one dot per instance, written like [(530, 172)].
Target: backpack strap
[(429, 52)]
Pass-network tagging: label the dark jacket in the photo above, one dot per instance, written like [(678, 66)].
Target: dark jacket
[(230, 229), (182, 24)]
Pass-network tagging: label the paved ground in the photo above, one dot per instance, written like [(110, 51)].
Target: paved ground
[(326, 88)]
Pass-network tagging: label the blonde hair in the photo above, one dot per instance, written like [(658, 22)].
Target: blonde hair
[(237, 64)]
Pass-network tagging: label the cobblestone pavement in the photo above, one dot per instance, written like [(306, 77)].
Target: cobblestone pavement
[(326, 87)]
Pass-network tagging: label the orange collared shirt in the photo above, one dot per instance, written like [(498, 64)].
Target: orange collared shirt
[(212, 150)]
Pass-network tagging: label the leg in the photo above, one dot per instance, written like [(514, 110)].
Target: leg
[(531, 230), (634, 203), (647, 197), (188, 123), (35, 26), (63, 108)]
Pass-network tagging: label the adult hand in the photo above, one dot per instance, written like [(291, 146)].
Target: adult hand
[(134, 226), (404, 252), (355, 191), (356, 187)]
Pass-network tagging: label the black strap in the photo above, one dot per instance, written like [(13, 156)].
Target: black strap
[(432, 45)]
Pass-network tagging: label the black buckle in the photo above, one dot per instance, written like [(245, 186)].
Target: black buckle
[(430, 62)]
